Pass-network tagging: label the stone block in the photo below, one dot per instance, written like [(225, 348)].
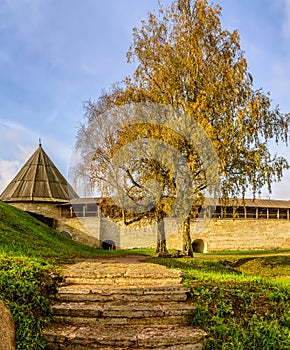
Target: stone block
[(7, 329)]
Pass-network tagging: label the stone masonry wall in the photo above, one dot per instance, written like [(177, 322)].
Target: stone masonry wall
[(135, 237), (227, 234), (83, 230), (49, 210), (241, 234), (110, 231), (217, 235)]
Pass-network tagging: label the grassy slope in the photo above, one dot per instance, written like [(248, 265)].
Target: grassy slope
[(241, 302), (23, 235), (28, 281), (29, 252), (245, 307)]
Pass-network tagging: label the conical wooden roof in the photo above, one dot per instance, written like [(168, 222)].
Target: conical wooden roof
[(39, 180)]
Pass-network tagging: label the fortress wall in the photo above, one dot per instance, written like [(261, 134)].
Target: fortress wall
[(218, 235), (138, 237), (247, 234), (109, 231), (146, 236), (106, 230), (49, 210), (84, 230), (241, 234)]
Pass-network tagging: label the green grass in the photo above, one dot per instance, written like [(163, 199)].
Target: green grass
[(23, 235), (253, 252), (242, 298), (241, 302), (31, 255), (27, 287)]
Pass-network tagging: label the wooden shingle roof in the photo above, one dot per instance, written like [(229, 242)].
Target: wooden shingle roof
[(39, 180), (239, 202), (250, 203)]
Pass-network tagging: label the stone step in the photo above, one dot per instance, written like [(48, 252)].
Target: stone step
[(109, 305), (121, 274), (168, 320), (122, 293), (93, 337), (109, 270), (197, 346), (122, 281), (122, 312)]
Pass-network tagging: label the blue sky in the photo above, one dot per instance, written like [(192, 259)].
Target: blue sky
[(57, 54)]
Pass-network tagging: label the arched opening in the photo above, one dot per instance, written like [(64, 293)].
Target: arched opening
[(109, 245), (199, 246), (66, 234)]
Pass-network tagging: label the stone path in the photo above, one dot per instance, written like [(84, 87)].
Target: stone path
[(122, 303)]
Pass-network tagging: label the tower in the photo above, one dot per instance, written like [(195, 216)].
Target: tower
[(39, 187)]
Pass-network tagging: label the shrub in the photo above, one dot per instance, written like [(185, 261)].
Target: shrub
[(27, 287)]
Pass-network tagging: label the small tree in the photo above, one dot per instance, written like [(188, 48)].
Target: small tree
[(121, 157), (185, 59)]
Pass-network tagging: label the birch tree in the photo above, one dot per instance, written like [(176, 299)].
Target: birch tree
[(186, 59)]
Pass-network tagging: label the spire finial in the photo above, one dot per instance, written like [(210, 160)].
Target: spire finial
[(40, 143)]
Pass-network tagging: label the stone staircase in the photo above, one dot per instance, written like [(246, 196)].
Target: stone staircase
[(115, 304)]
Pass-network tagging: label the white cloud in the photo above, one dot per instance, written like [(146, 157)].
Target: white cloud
[(8, 169), (53, 116), (13, 135), (14, 150), (26, 15), (280, 190), (17, 143)]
